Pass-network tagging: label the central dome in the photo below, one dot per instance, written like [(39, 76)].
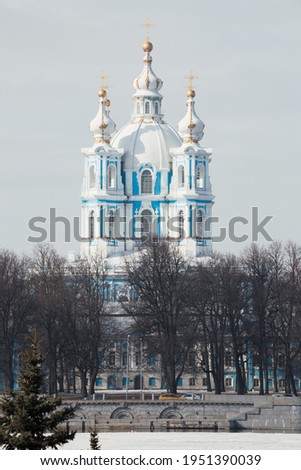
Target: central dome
[(146, 141)]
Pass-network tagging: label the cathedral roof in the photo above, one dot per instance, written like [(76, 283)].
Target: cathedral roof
[(146, 141), (147, 84), (102, 126), (191, 128), (147, 138)]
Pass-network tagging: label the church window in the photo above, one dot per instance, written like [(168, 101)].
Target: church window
[(147, 107), (255, 382), (199, 224), (111, 382), (229, 382), (181, 224), (152, 360), (228, 359), (124, 359), (191, 381), (92, 176), (152, 381), (91, 224), (181, 176), (146, 222), (156, 107), (200, 176), (98, 381), (112, 359), (137, 358), (112, 177), (107, 292), (146, 182), (180, 381), (111, 225)]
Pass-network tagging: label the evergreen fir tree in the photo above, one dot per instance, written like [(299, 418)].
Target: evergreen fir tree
[(94, 443), (28, 419)]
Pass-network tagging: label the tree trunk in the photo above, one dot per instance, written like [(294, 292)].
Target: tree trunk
[(275, 366), (240, 382), (93, 376), (83, 383), (261, 387), (207, 368)]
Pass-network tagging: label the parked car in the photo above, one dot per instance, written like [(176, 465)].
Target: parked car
[(192, 396), (170, 396)]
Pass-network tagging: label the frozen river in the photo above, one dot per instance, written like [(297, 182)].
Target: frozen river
[(190, 440)]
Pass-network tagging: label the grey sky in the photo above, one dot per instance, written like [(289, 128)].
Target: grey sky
[(246, 54)]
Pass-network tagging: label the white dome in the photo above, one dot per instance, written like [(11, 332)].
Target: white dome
[(102, 126), (146, 141), (191, 128), (147, 83)]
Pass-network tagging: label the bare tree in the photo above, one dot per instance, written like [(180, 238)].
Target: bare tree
[(234, 303), (16, 310), (51, 294), (258, 266), (88, 328), (162, 282), (209, 308), (287, 305)]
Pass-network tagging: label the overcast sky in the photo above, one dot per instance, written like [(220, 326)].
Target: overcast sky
[(245, 53)]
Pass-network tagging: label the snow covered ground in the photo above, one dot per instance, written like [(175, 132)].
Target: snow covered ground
[(189, 440)]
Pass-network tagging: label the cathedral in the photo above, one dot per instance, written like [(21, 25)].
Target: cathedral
[(146, 180), (141, 183)]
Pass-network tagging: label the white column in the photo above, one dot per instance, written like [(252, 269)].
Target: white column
[(104, 173)]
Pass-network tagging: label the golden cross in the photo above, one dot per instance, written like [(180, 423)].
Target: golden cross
[(103, 84), (190, 78), (147, 25)]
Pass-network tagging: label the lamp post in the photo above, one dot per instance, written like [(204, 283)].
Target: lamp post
[(127, 367), (141, 377)]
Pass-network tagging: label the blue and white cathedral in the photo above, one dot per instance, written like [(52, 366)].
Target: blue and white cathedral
[(147, 180)]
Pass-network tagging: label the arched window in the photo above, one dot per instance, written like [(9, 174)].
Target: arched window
[(199, 224), (147, 107), (228, 359), (137, 358), (200, 176), (92, 177), (146, 225), (124, 359), (91, 224), (181, 176), (229, 382), (112, 359), (112, 177), (181, 224), (146, 182), (111, 225), (111, 382), (156, 107)]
